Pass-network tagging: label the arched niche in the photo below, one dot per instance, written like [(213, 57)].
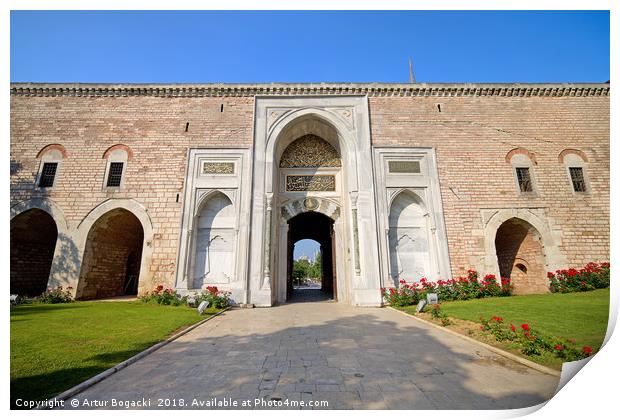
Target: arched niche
[(214, 240), (549, 239), (33, 240), (408, 238), (145, 280), (111, 264), (520, 256)]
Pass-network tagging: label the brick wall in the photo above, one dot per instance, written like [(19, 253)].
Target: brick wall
[(472, 136), (154, 129)]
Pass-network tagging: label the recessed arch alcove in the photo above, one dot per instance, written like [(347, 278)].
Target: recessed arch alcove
[(408, 238), (520, 256), (112, 259), (214, 241), (33, 240)]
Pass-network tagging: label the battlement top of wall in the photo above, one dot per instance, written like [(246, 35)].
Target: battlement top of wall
[(310, 89)]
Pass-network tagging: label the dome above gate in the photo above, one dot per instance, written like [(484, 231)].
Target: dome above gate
[(310, 151)]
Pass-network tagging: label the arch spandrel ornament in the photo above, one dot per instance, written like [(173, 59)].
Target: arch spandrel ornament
[(310, 151), (316, 204)]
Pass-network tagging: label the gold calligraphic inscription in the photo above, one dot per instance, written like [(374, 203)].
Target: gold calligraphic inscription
[(218, 168), (404, 166), (310, 151), (310, 183)]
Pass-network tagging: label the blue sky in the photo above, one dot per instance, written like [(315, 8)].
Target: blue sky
[(298, 46), (306, 247)]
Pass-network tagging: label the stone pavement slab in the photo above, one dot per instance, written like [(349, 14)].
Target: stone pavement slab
[(310, 352)]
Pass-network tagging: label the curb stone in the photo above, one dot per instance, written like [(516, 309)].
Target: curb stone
[(523, 361), (63, 396)]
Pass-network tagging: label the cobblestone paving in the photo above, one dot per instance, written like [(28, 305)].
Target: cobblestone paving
[(353, 358)]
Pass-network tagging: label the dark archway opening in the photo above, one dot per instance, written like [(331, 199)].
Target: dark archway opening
[(520, 256), (319, 228), (111, 264), (33, 240)]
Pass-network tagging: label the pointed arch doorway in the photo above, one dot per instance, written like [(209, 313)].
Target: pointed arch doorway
[(319, 228)]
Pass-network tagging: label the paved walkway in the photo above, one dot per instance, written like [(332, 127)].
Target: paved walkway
[(353, 358)]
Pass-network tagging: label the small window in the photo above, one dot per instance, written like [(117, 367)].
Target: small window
[(50, 165), (117, 158), (115, 174), (576, 176), (524, 180), (48, 173)]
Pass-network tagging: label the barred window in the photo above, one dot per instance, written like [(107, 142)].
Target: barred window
[(115, 174), (576, 176), (523, 177), (48, 173)]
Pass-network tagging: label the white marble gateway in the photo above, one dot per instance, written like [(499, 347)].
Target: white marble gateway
[(378, 210)]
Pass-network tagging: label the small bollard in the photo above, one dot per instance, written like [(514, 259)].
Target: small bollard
[(421, 305), (432, 298), (203, 307)]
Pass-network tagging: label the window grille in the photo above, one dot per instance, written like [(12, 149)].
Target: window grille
[(523, 177), (48, 173), (115, 174), (576, 176)]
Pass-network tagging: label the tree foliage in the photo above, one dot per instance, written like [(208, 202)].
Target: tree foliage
[(303, 269)]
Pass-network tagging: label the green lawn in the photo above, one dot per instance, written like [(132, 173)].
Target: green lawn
[(54, 347), (580, 316)]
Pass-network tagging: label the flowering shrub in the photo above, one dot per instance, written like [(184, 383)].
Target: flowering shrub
[(56, 295), (441, 316), (461, 288), (217, 298), (592, 276), (163, 296), (531, 342), (405, 295)]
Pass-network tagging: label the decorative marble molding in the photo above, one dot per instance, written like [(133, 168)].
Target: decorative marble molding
[(327, 207), (297, 89)]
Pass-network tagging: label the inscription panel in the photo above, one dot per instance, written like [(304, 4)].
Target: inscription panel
[(310, 183), (218, 168), (404, 166)]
